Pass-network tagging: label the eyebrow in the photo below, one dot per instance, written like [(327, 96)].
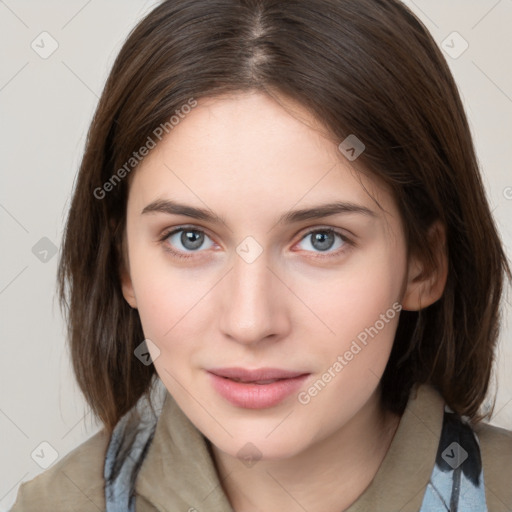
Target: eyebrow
[(316, 212)]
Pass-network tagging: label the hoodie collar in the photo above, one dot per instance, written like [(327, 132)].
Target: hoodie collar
[(179, 473)]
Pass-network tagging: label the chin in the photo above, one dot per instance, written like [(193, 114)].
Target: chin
[(263, 441), (251, 451)]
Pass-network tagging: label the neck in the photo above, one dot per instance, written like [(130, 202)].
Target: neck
[(328, 476)]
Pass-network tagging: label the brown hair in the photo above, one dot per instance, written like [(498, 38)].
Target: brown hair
[(365, 67)]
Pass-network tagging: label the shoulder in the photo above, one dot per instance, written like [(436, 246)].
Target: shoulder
[(496, 450), (73, 483)]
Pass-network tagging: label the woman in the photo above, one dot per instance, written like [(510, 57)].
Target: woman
[(279, 220)]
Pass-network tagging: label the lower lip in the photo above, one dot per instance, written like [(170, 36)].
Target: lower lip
[(256, 396)]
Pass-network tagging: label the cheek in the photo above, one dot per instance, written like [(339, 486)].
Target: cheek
[(172, 303), (167, 311), (161, 296), (355, 298), (168, 321), (362, 309)]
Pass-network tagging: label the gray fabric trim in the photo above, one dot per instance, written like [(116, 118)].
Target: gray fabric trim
[(126, 451)]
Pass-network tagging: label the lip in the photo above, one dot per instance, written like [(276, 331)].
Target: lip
[(238, 385)]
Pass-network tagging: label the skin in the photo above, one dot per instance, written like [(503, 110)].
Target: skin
[(249, 160)]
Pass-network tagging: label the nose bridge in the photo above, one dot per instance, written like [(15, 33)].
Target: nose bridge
[(251, 304), (252, 280)]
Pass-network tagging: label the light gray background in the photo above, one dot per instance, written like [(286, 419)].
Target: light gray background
[(46, 106)]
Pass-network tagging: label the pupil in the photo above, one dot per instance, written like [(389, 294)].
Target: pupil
[(191, 239), (323, 241)]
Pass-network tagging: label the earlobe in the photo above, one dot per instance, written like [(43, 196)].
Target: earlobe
[(423, 288)]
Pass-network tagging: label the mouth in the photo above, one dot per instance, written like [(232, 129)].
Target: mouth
[(257, 375), (255, 389)]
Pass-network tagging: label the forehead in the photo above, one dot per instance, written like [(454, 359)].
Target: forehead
[(248, 149)]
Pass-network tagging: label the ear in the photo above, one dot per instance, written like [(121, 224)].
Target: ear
[(423, 288), (127, 288), (126, 280)]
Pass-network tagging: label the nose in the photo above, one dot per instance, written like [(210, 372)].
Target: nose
[(254, 303)]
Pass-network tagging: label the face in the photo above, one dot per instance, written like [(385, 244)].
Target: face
[(267, 326)]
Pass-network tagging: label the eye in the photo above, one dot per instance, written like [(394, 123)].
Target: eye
[(325, 239), (185, 240)]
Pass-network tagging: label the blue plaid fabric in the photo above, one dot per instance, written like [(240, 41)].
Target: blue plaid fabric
[(127, 448), (457, 480)]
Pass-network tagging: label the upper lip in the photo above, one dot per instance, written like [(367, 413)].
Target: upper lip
[(246, 375)]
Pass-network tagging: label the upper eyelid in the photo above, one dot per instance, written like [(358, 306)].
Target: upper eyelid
[(166, 233)]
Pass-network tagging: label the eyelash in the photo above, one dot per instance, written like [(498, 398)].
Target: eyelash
[(329, 230)]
